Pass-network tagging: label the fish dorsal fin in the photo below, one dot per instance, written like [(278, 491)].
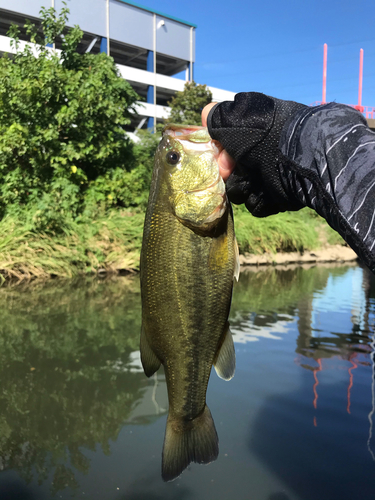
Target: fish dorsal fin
[(225, 359), (150, 361), (237, 265)]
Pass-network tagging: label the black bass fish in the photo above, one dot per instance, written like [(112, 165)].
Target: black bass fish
[(188, 261)]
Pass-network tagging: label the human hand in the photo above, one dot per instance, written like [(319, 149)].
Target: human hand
[(248, 131), (225, 161)]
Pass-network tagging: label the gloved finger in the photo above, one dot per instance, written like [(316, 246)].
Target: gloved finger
[(239, 185)]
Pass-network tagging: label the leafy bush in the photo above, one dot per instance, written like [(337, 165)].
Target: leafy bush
[(62, 119), (129, 188)]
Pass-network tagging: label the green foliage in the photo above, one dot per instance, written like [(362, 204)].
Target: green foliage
[(62, 121), (110, 240), (284, 232), (333, 237), (186, 106), (127, 188)]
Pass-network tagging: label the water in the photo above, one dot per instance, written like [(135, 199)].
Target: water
[(78, 418)]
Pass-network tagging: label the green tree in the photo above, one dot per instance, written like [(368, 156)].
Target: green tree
[(62, 119), (186, 106)]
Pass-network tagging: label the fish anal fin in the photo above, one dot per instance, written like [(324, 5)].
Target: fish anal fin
[(150, 361), (225, 359), (188, 441)]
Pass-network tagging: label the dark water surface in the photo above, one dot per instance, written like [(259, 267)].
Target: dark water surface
[(78, 418)]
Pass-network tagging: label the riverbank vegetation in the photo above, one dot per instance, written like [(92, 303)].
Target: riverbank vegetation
[(111, 242), (73, 187)]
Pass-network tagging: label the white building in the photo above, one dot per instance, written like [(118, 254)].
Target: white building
[(150, 48)]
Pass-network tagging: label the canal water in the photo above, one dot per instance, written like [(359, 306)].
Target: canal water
[(78, 418)]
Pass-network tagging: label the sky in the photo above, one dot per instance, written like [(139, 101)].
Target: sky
[(276, 46)]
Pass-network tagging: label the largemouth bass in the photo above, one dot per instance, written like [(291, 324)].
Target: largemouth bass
[(188, 261)]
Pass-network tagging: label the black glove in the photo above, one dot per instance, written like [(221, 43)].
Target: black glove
[(249, 128)]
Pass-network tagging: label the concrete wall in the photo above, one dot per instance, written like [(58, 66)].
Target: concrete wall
[(127, 24), (27, 7), (90, 15), (180, 34), (131, 25)]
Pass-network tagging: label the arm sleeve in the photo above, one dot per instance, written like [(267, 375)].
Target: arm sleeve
[(332, 170)]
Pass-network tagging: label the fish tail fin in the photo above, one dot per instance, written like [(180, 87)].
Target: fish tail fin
[(188, 441)]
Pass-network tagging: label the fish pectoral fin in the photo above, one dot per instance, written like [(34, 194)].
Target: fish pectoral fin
[(225, 359), (150, 361), (236, 260)]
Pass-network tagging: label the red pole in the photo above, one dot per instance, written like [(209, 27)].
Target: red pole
[(360, 78), (324, 74)]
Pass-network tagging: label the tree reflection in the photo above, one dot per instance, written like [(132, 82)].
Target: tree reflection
[(274, 289), (67, 374)]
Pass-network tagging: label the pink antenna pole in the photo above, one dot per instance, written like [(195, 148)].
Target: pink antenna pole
[(360, 78), (324, 74)]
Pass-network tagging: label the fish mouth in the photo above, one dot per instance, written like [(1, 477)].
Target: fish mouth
[(207, 188), (217, 213)]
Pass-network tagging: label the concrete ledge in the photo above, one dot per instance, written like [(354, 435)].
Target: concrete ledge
[(334, 253)]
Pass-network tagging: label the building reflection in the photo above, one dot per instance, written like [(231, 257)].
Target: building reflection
[(349, 300), (333, 308)]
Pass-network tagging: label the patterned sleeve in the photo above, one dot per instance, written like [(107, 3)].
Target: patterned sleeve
[(333, 152)]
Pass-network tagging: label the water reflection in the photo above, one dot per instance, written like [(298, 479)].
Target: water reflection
[(323, 299), (334, 307), (333, 311), (76, 408), (70, 375)]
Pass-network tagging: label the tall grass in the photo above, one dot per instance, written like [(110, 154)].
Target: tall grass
[(111, 242), (107, 243), (284, 232)]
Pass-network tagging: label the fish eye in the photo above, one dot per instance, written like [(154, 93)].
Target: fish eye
[(173, 157)]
